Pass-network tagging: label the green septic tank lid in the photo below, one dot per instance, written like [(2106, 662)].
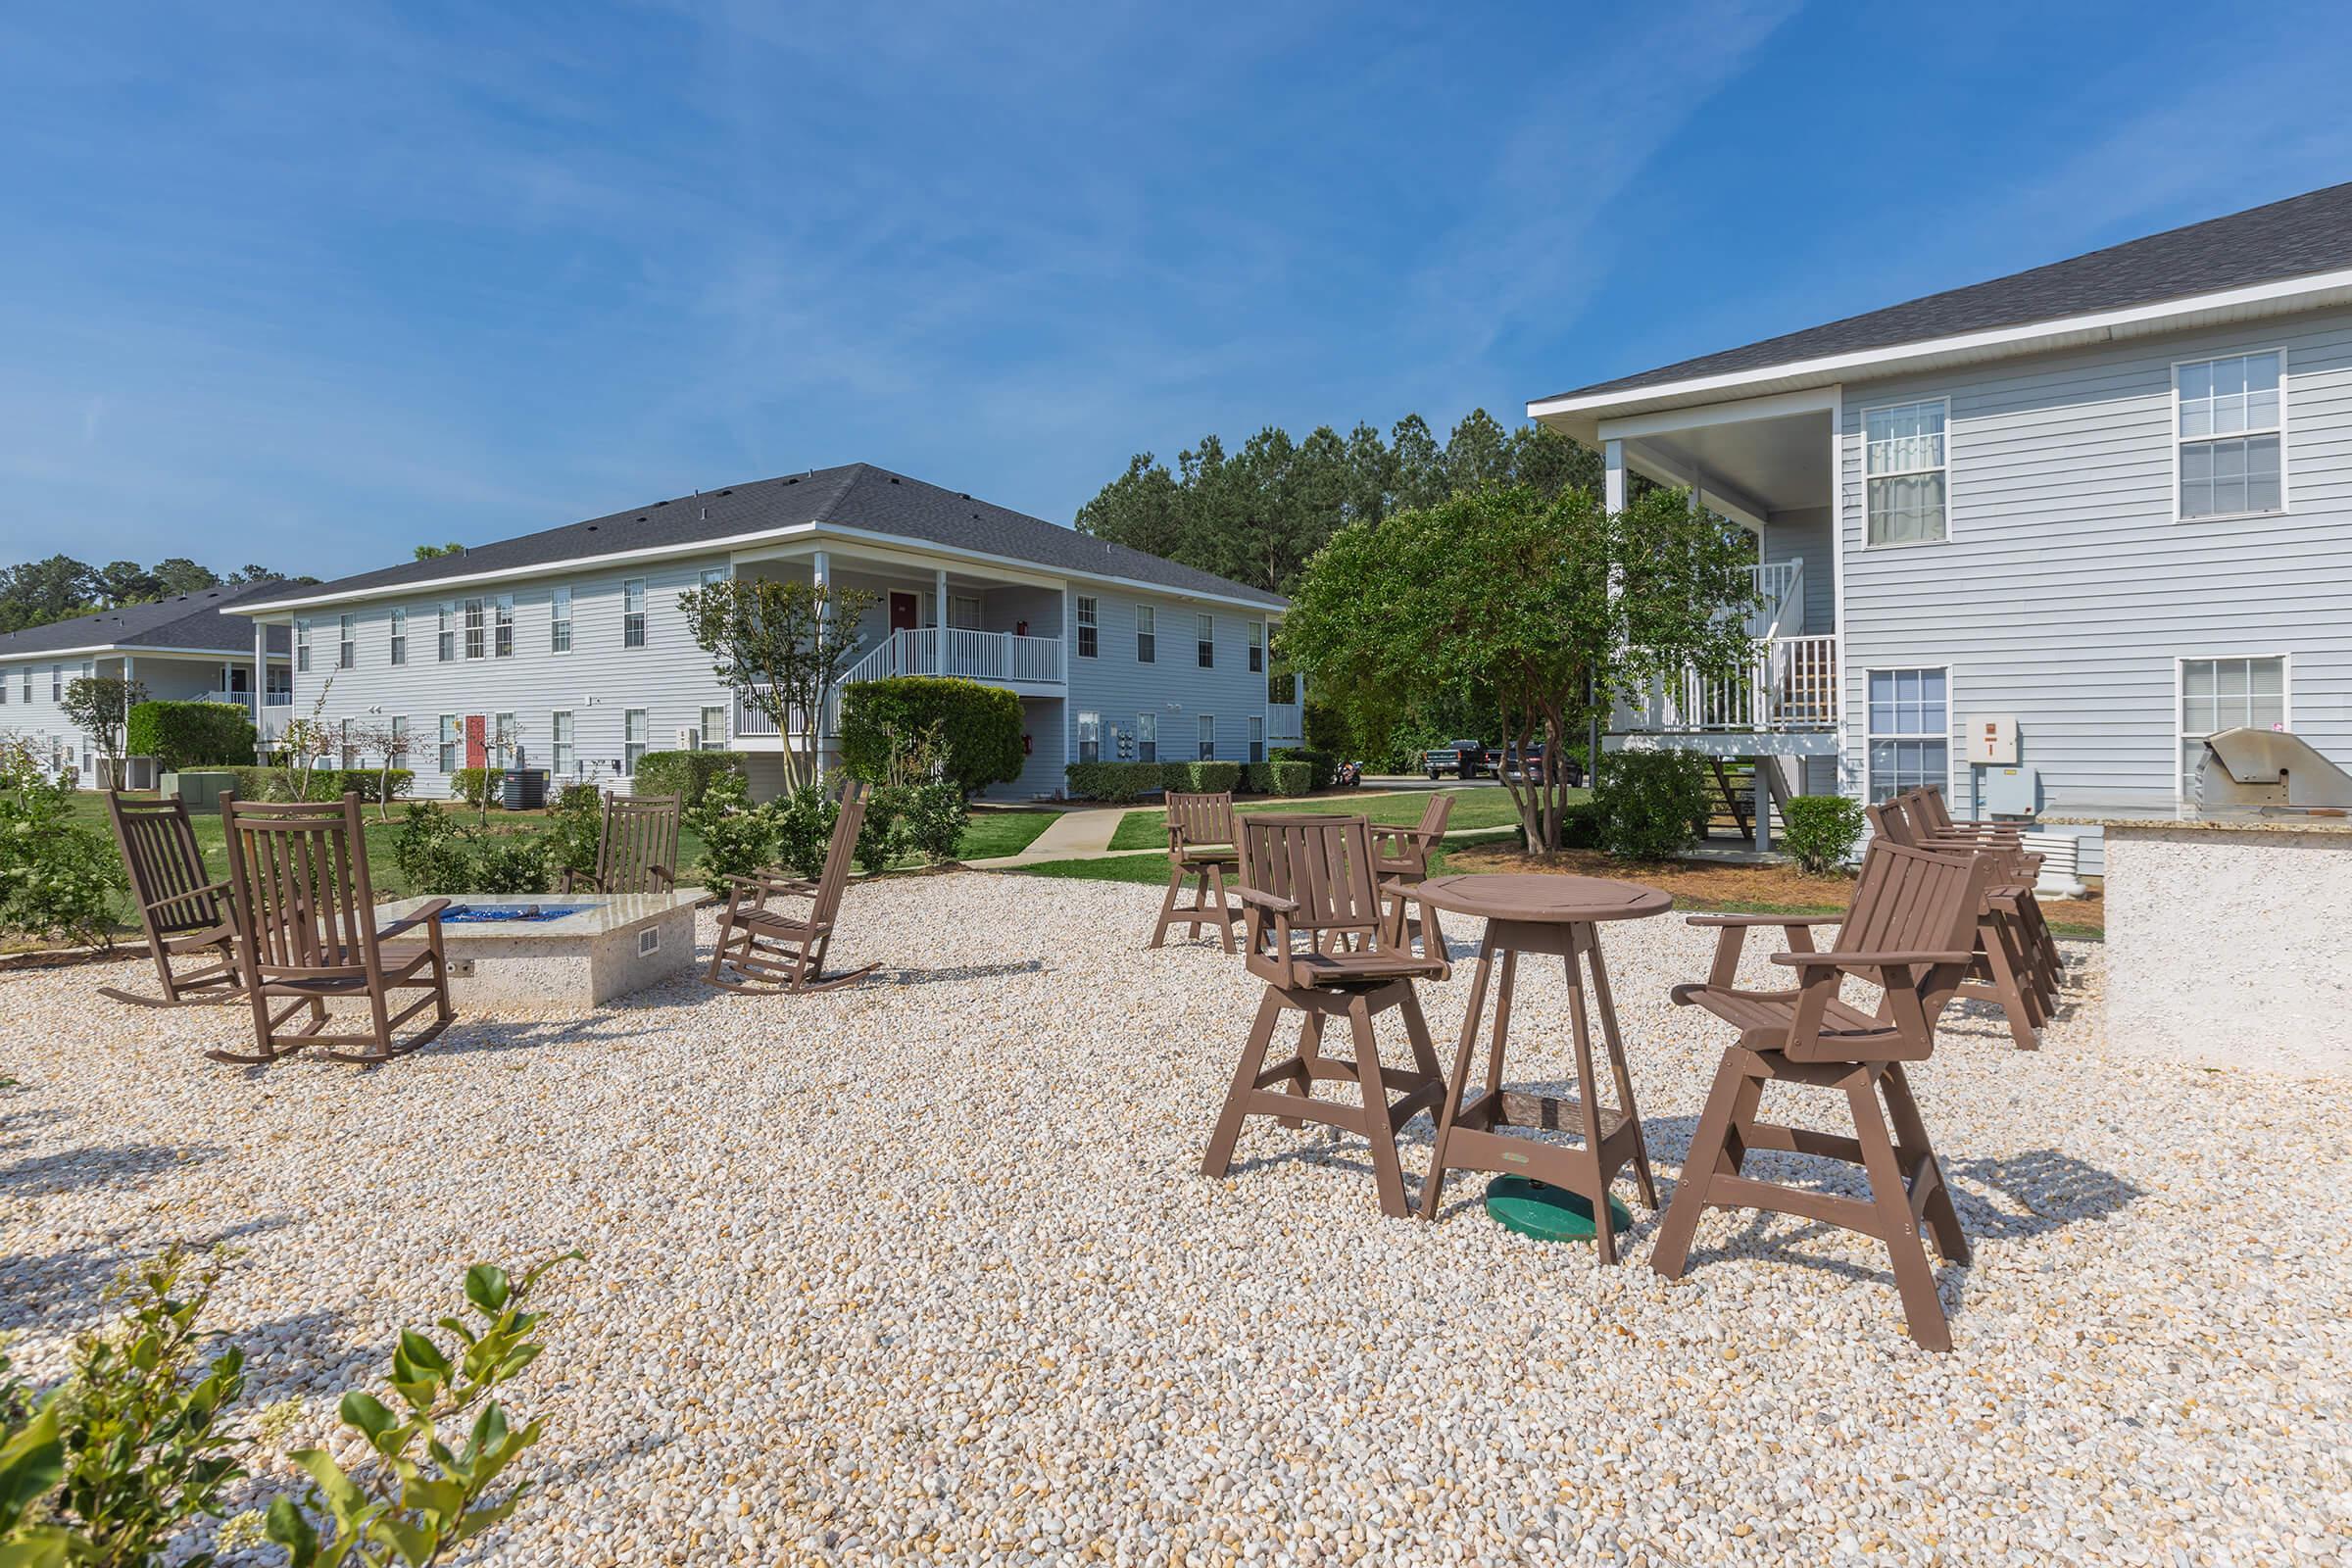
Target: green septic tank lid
[(1546, 1213)]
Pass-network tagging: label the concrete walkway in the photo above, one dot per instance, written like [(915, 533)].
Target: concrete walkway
[(1076, 833)]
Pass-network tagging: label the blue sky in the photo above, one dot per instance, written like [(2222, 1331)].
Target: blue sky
[(307, 285)]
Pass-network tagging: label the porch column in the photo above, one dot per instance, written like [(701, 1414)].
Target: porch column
[(821, 572), (1612, 496), (939, 600), (1069, 675), (261, 684)]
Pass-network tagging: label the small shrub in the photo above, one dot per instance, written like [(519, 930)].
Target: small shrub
[(1651, 803), (1113, 782), (1286, 777), (574, 820), (431, 851), (735, 834), (882, 835), (183, 735), (478, 787), (263, 783), (1323, 767), (334, 783), (800, 828), (978, 728), (1821, 831), (1201, 778), (687, 774), (58, 878), (511, 864), (935, 817), (1580, 825)]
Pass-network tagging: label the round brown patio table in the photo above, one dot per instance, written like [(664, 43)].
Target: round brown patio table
[(1543, 914)]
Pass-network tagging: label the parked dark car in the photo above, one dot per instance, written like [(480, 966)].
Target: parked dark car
[(1507, 765), (1460, 758)]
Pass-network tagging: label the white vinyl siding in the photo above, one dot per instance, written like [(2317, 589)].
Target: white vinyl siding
[(1904, 462), (2218, 694), (1910, 730), (2231, 419)]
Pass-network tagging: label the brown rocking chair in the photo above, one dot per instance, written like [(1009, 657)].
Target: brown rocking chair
[(762, 949), (1316, 935), (182, 909), (1202, 846), (1400, 856), (2014, 968), (307, 934), (636, 849), (1910, 933)]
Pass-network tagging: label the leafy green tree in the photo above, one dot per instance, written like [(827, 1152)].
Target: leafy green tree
[(1551, 608), (784, 645), (126, 582), (181, 575), (40, 592), (1421, 478), (99, 705), (434, 552)]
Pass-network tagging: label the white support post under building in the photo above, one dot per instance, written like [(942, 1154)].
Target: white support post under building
[(821, 566)]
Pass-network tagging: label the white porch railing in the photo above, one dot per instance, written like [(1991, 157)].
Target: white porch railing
[(752, 724), (990, 656), (1779, 590), (1282, 724), (1788, 683)]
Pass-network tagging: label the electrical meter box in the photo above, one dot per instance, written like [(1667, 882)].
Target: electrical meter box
[(1992, 740), (2012, 792)]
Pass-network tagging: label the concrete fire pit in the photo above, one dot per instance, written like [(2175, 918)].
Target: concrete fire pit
[(561, 948)]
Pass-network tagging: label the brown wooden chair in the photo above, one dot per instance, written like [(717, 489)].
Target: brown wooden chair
[(1400, 856), (2012, 971), (1909, 935), (182, 909), (1202, 846), (761, 947), (1315, 933), (307, 933), (1932, 821), (636, 847)]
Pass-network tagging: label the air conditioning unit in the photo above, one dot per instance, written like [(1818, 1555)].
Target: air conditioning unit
[(690, 738)]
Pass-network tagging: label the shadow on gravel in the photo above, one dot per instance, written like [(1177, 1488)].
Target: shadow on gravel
[(953, 973), (59, 1291), (72, 1169)]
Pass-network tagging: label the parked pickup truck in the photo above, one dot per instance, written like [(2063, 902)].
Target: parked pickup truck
[(1460, 758)]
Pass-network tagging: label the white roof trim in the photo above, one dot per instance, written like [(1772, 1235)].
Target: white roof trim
[(138, 651), (2026, 338)]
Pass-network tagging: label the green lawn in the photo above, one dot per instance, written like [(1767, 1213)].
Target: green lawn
[(1153, 868), (994, 833), (1472, 809)]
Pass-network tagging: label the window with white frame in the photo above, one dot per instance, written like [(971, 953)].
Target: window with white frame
[(3, 688), (632, 613), (1257, 737), (1089, 737), (1147, 737), (57, 683), (451, 741), (1257, 647), (963, 612), (2218, 694), (1207, 633), (1910, 730), (2232, 418), (501, 740), (1904, 472), (559, 742), (711, 576), (1089, 626), (29, 683), (559, 621), (400, 636), (633, 732), (302, 646), (1146, 635), (715, 729), (445, 639), (1209, 736), (476, 644), (399, 743), (502, 626), (347, 643)]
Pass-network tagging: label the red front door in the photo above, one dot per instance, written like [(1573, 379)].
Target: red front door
[(906, 611)]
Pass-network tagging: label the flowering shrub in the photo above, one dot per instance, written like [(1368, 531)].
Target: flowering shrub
[(57, 878)]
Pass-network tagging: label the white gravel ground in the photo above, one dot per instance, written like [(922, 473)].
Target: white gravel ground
[(923, 1270)]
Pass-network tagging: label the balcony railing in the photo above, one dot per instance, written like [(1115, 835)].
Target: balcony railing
[(1282, 724), (1788, 683), (990, 656), (1779, 590)]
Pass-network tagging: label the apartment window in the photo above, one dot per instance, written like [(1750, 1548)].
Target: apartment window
[(559, 622), (451, 741), (351, 755), (399, 753), (1089, 737), (400, 636), (711, 576), (501, 740), (302, 646), (1208, 642), (1208, 748), (1147, 737), (29, 683), (1258, 738), (2218, 693), (1910, 730), (1904, 472), (632, 613), (475, 646), (633, 739), (1146, 635), (57, 683), (559, 743), (715, 729), (501, 626), (3, 690), (1088, 626), (1257, 647), (2232, 418), (963, 612), (347, 645), (445, 643)]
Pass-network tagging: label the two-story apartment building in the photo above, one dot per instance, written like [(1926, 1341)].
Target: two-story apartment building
[(181, 649), (567, 647), (2104, 506)]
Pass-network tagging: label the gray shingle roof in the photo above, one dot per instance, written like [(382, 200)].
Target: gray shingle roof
[(856, 496), (183, 620), (2301, 235)]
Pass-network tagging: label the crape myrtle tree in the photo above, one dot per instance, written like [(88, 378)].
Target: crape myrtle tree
[(99, 705), (1552, 606), (782, 644)]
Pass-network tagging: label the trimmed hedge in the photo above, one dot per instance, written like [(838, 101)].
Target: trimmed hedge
[(327, 783), (1114, 782), (1821, 831), (1284, 776), (979, 725), (687, 774), (1201, 778), (1323, 767), (184, 735)]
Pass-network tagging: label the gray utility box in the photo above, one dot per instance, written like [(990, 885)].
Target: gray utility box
[(201, 790), (2012, 792)]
